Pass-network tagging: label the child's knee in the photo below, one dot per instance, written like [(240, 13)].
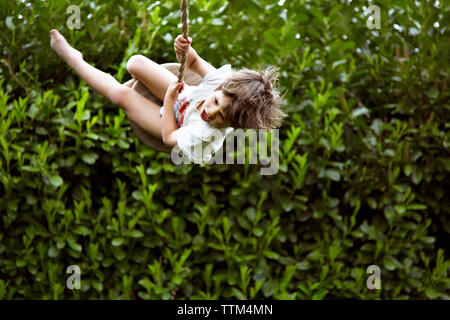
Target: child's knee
[(134, 63)]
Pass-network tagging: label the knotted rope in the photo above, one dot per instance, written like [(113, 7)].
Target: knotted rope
[(184, 29)]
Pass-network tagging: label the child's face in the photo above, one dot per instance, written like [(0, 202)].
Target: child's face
[(211, 110)]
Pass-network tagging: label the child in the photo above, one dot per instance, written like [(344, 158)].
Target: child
[(192, 116)]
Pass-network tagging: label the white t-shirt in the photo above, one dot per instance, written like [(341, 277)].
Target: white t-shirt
[(196, 138)]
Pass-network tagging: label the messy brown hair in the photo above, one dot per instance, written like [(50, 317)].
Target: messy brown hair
[(256, 101)]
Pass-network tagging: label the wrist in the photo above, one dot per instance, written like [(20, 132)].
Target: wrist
[(191, 57), (168, 101)]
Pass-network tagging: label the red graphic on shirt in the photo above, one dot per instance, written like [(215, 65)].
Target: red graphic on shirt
[(182, 110)]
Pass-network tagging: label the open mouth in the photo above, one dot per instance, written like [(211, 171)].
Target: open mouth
[(204, 116)]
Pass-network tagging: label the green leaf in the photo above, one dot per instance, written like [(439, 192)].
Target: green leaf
[(408, 170), (333, 175), (82, 230), (372, 203), (269, 288), (31, 200), (300, 17), (359, 112), (56, 180), (258, 231), (272, 36), (52, 252), (417, 177), (21, 263), (89, 157), (75, 246), (9, 23), (135, 234), (41, 131), (389, 265), (338, 63), (33, 111), (250, 213), (170, 199), (287, 205), (400, 209), (431, 293), (216, 22), (427, 239), (116, 242), (389, 213), (92, 136), (237, 293), (123, 144), (271, 254), (417, 206), (304, 265), (316, 12), (320, 294), (137, 195)]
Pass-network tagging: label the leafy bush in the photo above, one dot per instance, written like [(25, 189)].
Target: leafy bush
[(364, 157)]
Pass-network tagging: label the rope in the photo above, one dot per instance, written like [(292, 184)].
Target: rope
[(184, 16)]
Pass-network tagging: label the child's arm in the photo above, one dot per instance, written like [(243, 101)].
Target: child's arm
[(193, 61), (169, 127)]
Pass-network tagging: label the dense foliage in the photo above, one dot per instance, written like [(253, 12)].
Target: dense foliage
[(364, 157)]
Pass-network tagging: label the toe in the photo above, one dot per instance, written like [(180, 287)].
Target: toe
[(55, 33)]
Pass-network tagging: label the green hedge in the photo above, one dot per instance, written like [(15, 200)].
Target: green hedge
[(364, 159)]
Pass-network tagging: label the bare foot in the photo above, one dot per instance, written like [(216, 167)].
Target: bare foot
[(63, 49)]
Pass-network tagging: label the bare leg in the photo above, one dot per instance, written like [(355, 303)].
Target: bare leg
[(139, 109), (155, 77)]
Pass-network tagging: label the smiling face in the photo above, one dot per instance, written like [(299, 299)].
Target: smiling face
[(211, 109)]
